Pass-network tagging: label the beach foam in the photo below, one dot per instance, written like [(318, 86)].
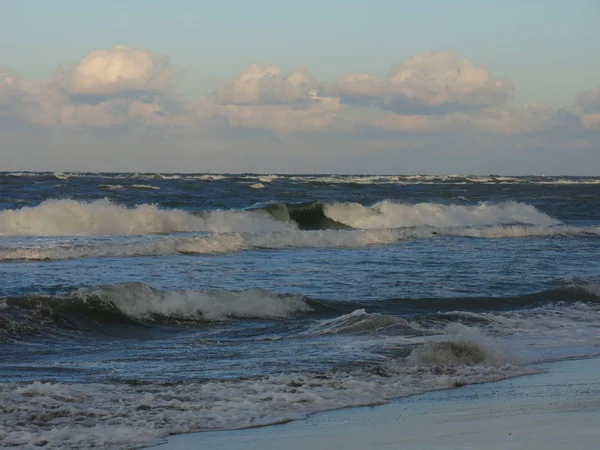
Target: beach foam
[(125, 416)]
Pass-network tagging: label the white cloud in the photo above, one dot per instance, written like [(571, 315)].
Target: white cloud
[(260, 84), (431, 83), (434, 106), (119, 70), (588, 101), (118, 87), (262, 96), (588, 104)]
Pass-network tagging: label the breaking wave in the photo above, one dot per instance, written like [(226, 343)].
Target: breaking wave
[(387, 214), (119, 415), (210, 244), (138, 304), (101, 217)]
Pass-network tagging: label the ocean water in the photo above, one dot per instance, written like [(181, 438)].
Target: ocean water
[(135, 306)]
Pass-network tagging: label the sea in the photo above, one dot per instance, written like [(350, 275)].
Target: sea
[(134, 306)]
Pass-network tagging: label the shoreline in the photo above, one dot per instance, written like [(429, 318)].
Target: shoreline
[(555, 409)]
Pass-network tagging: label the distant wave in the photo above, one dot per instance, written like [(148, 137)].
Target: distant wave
[(321, 179)]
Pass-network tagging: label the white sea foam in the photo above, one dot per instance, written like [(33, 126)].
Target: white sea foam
[(140, 301), (233, 242), (552, 331), (110, 187), (61, 175), (212, 243), (209, 177), (387, 214), (519, 231), (124, 416), (101, 217), (360, 321), (145, 186)]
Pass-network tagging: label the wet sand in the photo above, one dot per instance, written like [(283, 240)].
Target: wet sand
[(557, 409)]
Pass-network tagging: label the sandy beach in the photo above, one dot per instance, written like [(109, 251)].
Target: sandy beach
[(558, 408)]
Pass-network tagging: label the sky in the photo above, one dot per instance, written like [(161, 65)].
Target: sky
[(329, 86)]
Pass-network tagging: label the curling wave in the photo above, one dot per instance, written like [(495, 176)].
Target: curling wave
[(101, 217), (136, 304)]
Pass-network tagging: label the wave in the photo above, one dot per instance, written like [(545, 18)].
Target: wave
[(209, 244), (323, 179), (362, 322), (145, 186), (101, 217), (387, 214), (138, 304), (123, 415), (216, 243), (96, 310)]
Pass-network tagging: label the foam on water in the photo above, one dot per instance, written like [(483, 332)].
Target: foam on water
[(140, 301), (387, 214), (101, 217), (210, 244), (145, 186), (127, 416), (292, 238), (362, 322)]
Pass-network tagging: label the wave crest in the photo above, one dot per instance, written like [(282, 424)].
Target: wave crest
[(387, 214), (140, 301), (102, 217)]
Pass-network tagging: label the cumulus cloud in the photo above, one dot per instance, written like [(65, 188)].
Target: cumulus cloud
[(431, 83), (118, 87), (260, 84), (119, 71), (263, 96), (422, 104), (588, 104), (588, 101), (15, 97)]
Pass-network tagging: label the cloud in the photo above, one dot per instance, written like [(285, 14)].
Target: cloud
[(431, 83), (119, 107), (120, 87), (119, 71), (588, 104), (262, 96), (262, 84), (16, 97)]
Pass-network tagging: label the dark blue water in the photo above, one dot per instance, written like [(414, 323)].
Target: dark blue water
[(139, 305)]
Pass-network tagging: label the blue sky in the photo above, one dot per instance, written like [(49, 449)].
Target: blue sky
[(547, 50)]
